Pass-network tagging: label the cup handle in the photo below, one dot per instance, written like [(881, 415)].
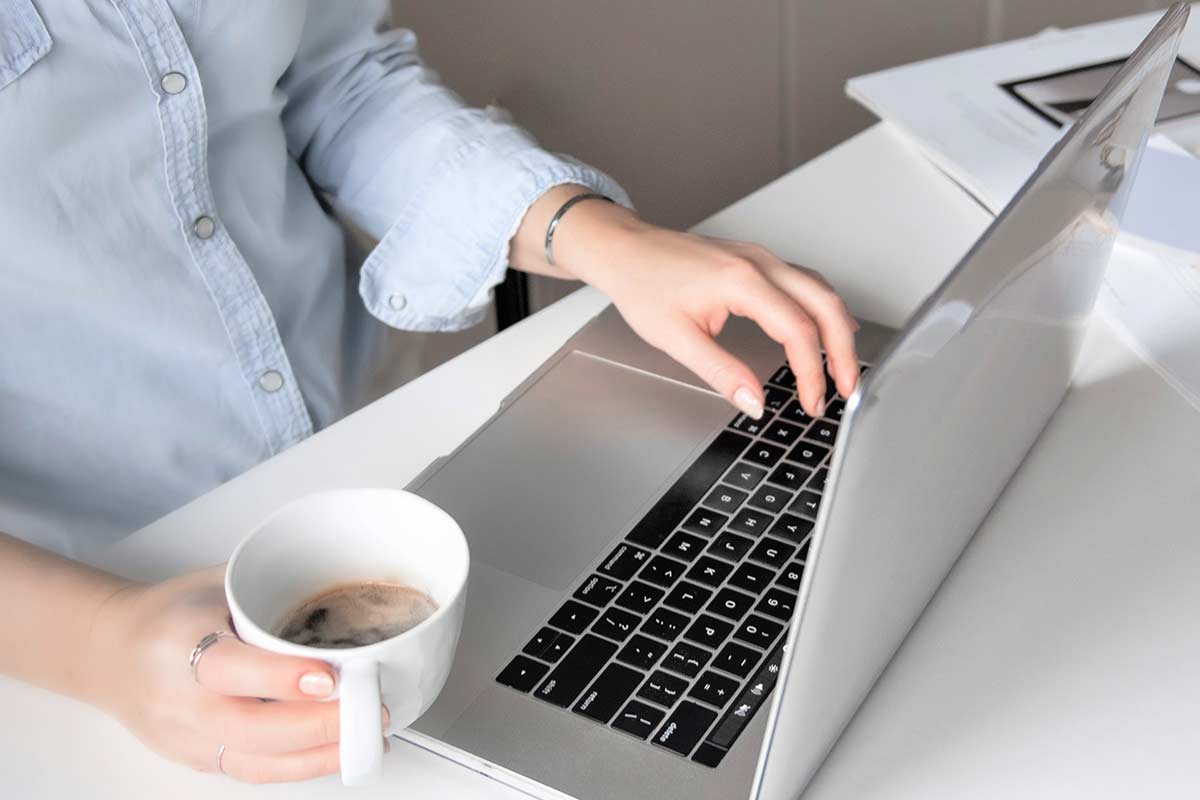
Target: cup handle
[(361, 746)]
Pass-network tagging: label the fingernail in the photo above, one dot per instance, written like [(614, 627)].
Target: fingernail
[(316, 684), (747, 403), (820, 407)]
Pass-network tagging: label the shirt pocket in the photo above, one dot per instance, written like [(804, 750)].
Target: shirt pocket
[(23, 39)]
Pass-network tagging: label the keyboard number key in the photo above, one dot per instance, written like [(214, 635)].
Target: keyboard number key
[(777, 603)]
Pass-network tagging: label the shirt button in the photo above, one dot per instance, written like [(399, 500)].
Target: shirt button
[(204, 227), (173, 82), (397, 301), (271, 381)]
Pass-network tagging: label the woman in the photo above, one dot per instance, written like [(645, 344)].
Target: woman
[(175, 306)]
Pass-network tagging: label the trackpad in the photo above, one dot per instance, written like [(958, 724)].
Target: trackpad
[(548, 483)]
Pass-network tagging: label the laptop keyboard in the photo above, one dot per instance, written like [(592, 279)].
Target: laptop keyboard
[(677, 637)]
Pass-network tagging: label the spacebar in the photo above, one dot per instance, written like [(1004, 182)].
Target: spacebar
[(683, 496)]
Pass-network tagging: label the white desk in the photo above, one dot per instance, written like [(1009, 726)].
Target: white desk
[(1061, 658)]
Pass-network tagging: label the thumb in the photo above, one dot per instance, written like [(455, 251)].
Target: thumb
[(720, 369)]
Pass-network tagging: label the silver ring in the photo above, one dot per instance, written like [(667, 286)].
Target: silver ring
[(220, 755), (198, 651)]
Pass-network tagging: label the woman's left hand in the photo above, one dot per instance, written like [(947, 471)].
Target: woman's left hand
[(677, 291)]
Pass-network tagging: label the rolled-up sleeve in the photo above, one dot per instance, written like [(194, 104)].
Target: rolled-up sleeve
[(442, 186)]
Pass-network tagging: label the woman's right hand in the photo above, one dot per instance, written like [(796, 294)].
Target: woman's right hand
[(138, 672)]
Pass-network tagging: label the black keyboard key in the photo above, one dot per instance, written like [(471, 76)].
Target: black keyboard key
[(616, 623), (784, 377), (750, 425), (782, 433), (835, 410), (778, 604), (522, 674), (597, 590), (573, 617), (663, 571), (790, 476), (575, 671), (611, 689), (737, 659), (731, 546), (752, 697), (794, 413), (710, 571), (624, 561), (808, 453), (770, 498), (725, 499), (731, 604), (541, 642), (775, 399), (709, 754), (752, 577), (685, 727), (640, 597), (758, 631), (705, 522), (688, 597), (817, 482), (687, 659), (638, 719), (709, 631), (751, 522), (772, 552), (641, 652), (792, 528), (745, 476), (558, 648), (684, 545), (765, 455), (665, 624), (807, 503), (662, 688), (678, 501), (714, 689), (790, 577), (824, 431)]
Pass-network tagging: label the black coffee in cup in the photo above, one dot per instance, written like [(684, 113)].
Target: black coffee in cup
[(356, 613)]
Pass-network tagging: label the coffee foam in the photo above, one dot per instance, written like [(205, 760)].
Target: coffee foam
[(356, 614)]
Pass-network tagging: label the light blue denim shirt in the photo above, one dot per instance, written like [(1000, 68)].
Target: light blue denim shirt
[(175, 302)]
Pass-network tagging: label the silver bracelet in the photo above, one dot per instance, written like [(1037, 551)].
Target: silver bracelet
[(553, 226)]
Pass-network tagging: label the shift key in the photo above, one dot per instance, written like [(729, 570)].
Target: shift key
[(576, 670)]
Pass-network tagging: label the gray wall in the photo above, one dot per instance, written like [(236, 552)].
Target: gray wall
[(692, 104)]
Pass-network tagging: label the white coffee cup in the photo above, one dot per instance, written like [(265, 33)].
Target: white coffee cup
[(352, 535)]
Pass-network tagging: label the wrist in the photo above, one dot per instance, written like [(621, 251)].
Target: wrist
[(592, 238), (107, 639)]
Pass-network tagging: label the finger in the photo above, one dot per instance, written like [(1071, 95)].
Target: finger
[(298, 766), (754, 296), (695, 349), (232, 667), (834, 321), (251, 726)]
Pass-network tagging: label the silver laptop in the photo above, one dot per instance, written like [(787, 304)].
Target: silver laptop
[(666, 602)]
